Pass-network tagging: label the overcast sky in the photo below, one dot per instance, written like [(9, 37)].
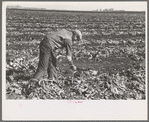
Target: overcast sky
[(127, 6)]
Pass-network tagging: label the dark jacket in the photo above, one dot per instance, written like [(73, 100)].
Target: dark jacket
[(61, 39)]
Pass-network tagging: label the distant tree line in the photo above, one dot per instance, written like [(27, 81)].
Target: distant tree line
[(19, 7), (111, 9)]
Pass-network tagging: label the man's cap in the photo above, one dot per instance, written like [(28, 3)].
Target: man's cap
[(78, 33)]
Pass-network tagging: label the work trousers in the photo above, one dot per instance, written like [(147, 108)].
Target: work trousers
[(47, 61)]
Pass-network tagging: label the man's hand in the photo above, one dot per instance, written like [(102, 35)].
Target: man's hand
[(69, 58), (72, 66)]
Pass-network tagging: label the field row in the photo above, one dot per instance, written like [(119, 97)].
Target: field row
[(38, 22)]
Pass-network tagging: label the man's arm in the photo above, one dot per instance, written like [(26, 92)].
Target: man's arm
[(68, 45)]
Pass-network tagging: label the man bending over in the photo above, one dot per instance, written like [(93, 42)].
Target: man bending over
[(55, 40)]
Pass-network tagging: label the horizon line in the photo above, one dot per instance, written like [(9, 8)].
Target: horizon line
[(45, 9)]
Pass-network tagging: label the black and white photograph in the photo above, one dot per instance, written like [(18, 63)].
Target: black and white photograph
[(75, 52)]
